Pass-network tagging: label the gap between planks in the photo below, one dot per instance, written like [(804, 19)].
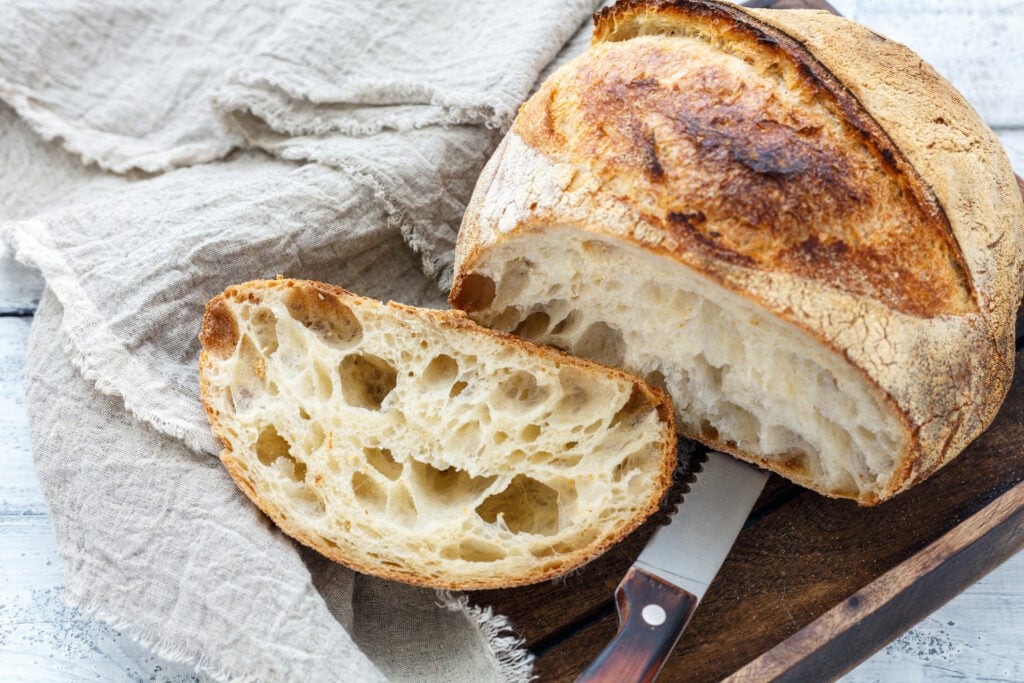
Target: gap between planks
[(947, 566)]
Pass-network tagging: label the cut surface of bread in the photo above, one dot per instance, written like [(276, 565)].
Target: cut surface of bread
[(739, 377), (792, 224), (415, 445)]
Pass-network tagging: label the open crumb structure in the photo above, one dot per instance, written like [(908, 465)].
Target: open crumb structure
[(415, 445)]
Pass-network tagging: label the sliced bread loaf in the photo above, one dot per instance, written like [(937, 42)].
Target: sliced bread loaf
[(792, 224), (415, 445)]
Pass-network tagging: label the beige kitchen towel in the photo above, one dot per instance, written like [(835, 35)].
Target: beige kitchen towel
[(335, 141)]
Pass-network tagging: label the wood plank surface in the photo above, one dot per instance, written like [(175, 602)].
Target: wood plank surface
[(41, 637), (20, 289), (886, 607)]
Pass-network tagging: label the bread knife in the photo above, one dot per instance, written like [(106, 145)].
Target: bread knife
[(661, 590)]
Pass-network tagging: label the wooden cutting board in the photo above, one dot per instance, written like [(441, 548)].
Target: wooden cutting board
[(813, 586)]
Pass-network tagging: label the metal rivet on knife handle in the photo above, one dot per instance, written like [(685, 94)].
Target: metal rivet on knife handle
[(639, 649)]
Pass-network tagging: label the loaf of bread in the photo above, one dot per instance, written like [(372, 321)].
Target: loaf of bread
[(792, 224), (415, 445)]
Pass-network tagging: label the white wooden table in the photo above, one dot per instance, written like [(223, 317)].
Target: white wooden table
[(977, 636)]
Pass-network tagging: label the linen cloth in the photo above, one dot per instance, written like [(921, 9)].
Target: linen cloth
[(202, 143)]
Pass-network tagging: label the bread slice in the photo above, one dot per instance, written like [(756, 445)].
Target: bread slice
[(417, 446), (793, 225)]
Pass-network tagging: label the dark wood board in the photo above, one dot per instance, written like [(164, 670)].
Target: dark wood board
[(813, 586)]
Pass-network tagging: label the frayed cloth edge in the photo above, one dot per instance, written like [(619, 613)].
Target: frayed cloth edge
[(106, 150), (107, 365), (512, 661), (160, 646)]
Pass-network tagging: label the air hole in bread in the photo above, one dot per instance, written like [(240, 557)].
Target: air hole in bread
[(630, 465), (526, 506), (325, 315), (401, 506), (568, 324), (475, 550), (530, 433), (270, 446), (541, 457), (368, 492), (656, 291), (738, 420), (467, 437), (656, 379), (475, 293), (542, 551), (575, 392), (793, 461), (706, 376), (248, 375), (398, 420), (521, 390), (632, 409), (533, 326), (585, 536), (291, 468), (515, 457), (450, 486), (229, 400), (603, 343), (707, 431), (366, 380), (551, 460), (507, 319), (570, 460), (308, 501), (263, 325), (457, 389), (384, 462), (516, 274), (322, 382), (314, 438), (441, 371)]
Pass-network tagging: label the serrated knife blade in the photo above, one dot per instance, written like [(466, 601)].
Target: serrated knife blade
[(661, 590)]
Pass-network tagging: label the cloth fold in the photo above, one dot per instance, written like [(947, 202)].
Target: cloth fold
[(402, 65), (204, 143)]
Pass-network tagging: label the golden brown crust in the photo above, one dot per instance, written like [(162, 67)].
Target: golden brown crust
[(771, 166), (219, 338), (820, 171), (219, 333)]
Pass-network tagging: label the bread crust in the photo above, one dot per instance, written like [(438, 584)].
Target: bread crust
[(219, 336), (869, 121)]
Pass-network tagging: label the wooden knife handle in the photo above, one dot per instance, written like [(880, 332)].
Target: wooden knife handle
[(652, 616)]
